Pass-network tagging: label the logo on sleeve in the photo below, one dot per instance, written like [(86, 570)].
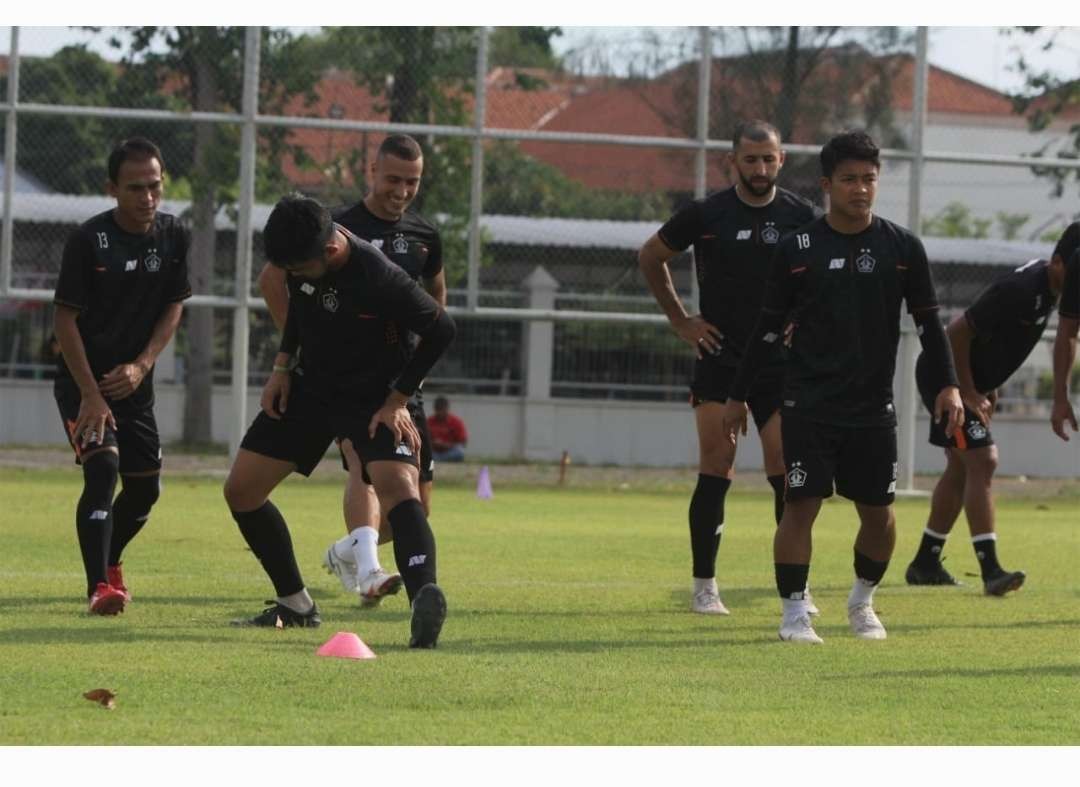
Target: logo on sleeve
[(131, 265), (796, 477), (770, 234), (400, 245), (306, 288), (744, 234), (864, 263), (377, 242), (837, 263), (152, 261), (330, 301)]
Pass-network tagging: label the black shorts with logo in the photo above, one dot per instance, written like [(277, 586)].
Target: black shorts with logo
[(861, 460), (972, 434), (136, 434), (712, 383), (312, 421), (427, 461)]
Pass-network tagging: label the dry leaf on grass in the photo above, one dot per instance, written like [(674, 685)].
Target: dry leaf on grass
[(103, 697)]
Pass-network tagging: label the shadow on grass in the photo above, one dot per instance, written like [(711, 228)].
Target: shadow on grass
[(241, 635), (949, 673)]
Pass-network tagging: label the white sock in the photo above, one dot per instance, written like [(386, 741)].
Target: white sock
[(795, 607), (701, 585), (862, 592), (365, 550), (343, 548), (298, 602)]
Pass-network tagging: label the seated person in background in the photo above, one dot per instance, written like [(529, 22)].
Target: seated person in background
[(448, 434)]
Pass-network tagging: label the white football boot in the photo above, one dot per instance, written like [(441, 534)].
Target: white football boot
[(864, 622), (799, 629)]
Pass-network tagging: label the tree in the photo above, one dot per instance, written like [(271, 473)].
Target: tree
[(1048, 96), (955, 221)]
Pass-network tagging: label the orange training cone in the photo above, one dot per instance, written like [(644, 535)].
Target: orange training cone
[(483, 484), (345, 645)]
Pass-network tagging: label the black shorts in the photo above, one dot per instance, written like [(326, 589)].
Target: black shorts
[(860, 459), (136, 434), (712, 383), (972, 433), (427, 462), (312, 421)]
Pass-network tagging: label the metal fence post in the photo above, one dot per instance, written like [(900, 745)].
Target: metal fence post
[(476, 192), (701, 162), (7, 232), (909, 394), (245, 201)]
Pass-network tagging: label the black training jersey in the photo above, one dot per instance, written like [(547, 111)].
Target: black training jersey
[(1008, 319), (121, 283), (843, 293), (412, 242), (1070, 290), (733, 244), (1069, 241), (350, 326)]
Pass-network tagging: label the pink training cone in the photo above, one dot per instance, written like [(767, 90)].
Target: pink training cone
[(483, 484), (345, 645)]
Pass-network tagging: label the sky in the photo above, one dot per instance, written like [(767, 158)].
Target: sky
[(983, 54)]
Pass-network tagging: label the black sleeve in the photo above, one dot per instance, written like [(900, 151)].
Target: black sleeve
[(682, 229), (408, 304), (1070, 292), (434, 263), (290, 334), (936, 347), (180, 286), (1069, 241), (779, 293), (73, 285), (919, 293), (1000, 301)]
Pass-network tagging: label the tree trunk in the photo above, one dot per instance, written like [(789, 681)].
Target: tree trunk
[(200, 320), (789, 87)]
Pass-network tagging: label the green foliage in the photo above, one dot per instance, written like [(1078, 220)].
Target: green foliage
[(568, 624), (955, 221), (1010, 223), (1045, 388)]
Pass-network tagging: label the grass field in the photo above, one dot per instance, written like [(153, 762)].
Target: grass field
[(569, 624)]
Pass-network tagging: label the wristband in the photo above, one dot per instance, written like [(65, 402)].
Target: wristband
[(285, 369)]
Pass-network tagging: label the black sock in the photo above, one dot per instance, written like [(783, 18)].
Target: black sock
[(868, 570), (706, 517), (266, 533), (131, 509), (93, 515), (777, 484), (929, 554), (414, 545), (791, 579), (986, 553)]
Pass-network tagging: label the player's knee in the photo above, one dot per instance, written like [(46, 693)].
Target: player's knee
[(235, 495), (100, 473), (982, 463), (142, 492), (716, 459)]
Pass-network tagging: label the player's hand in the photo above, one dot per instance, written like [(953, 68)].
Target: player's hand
[(949, 407), (734, 419), (978, 404), (275, 394), (396, 418), (702, 336), (121, 381), (1061, 412), (90, 423)]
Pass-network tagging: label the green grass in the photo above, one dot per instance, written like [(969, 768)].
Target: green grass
[(568, 624)]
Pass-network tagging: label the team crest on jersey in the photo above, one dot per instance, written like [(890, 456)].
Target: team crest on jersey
[(864, 263), (152, 261), (770, 234), (399, 245), (976, 431), (796, 477), (330, 301)]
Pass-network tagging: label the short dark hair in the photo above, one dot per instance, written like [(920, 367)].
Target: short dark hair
[(441, 402), (401, 146), (136, 148), (755, 131), (849, 145), (1068, 243), (297, 231)]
